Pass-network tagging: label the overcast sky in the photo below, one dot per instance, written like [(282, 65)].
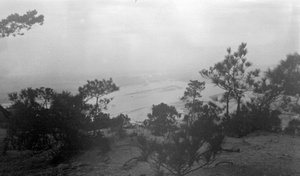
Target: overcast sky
[(123, 35)]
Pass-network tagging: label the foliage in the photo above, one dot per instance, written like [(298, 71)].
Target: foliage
[(146, 146), (68, 111), (97, 89), (286, 75), (101, 142), (118, 124), (281, 82), (42, 119), (98, 122), (162, 119), (207, 111), (14, 23), (196, 144), (192, 97), (73, 124), (3, 119), (120, 121), (193, 91), (81, 141), (293, 127), (231, 75), (279, 88), (251, 118), (30, 120), (191, 146), (289, 104), (188, 150)]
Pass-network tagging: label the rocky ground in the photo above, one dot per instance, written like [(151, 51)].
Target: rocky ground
[(261, 154)]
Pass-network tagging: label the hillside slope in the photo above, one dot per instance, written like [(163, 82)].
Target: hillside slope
[(261, 154)]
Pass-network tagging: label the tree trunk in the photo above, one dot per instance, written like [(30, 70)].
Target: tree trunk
[(97, 105), (238, 105), (227, 106)]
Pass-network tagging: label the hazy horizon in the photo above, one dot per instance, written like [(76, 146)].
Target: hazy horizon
[(137, 94), (123, 36), (138, 41)]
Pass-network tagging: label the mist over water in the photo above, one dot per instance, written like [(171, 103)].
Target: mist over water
[(137, 101), (138, 91)]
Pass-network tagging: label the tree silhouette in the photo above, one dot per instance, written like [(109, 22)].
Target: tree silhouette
[(120, 121), (97, 89), (15, 23), (192, 97), (43, 119), (162, 119), (231, 75), (283, 80), (188, 149), (30, 119)]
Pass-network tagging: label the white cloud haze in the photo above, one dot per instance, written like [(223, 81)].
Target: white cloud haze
[(123, 35)]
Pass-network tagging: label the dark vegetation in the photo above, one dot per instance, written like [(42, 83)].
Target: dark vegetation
[(41, 119), (189, 146), (63, 124), (293, 127), (162, 119), (276, 92), (14, 24)]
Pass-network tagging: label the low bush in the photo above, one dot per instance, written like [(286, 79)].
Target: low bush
[(101, 142), (189, 149), (120, 121), (238, 126), (293, 127), (250, 119), (162, 119), (118, 124), (146, 147), (64, 150)]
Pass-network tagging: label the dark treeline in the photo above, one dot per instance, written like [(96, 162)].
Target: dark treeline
[(42, 119)]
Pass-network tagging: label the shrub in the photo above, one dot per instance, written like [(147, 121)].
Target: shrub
[(188, 150), (118, 124), (77, 142), (192, 146), (42, 119), (162, 119), (101, 142), (293, 127), (250, 119), (238, 126), (99, 121), (146, 146), (120, 121)]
